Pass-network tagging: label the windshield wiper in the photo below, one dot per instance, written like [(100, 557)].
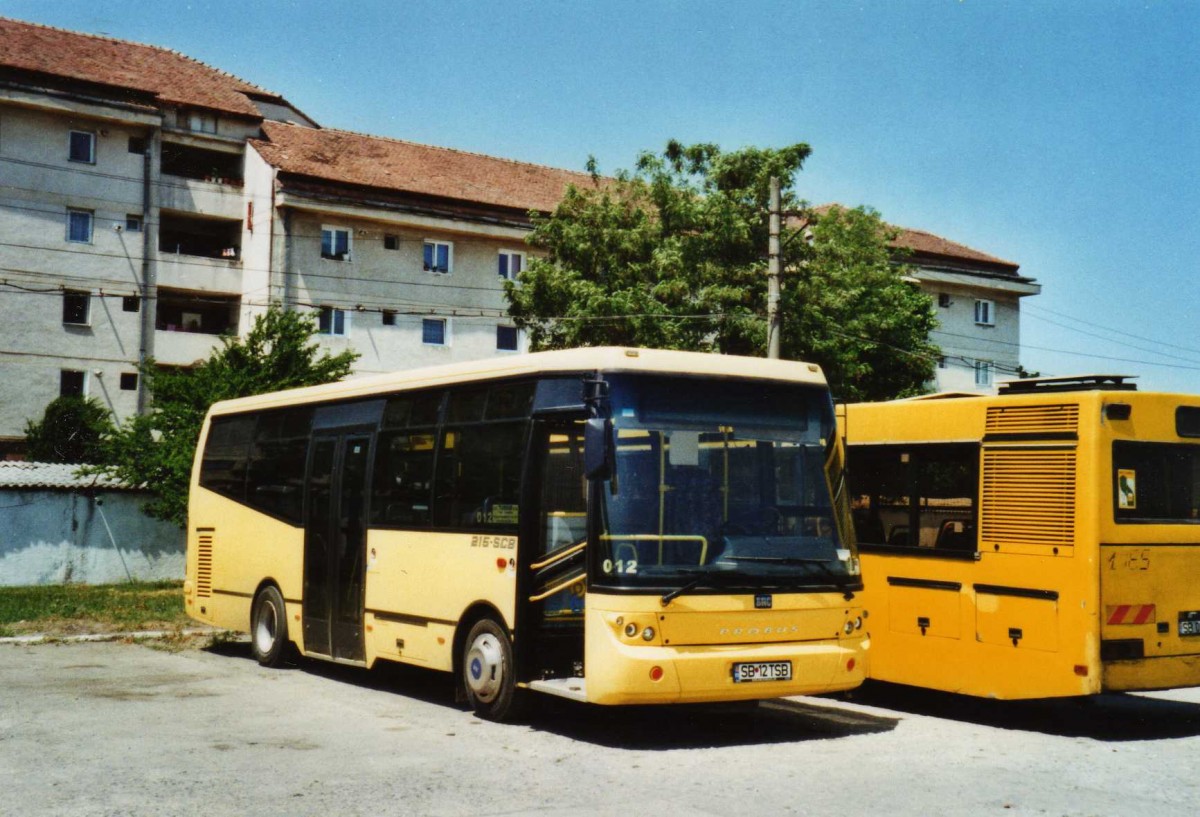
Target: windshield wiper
[(822, 564), (699, 578)]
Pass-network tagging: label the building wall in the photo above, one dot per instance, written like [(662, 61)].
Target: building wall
[(58, 537), (37, 186), (963, 341), (470, 298)]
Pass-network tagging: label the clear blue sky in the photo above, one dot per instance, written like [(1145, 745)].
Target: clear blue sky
[(1063, 136)]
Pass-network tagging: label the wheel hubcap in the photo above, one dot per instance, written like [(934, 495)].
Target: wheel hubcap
[(485, 667), (264, 633)]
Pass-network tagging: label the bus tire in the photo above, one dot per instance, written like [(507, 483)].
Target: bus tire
[(268, 627), (488, 671)]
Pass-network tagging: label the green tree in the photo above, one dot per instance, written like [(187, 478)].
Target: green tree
[(673, 256), (72, 430), (157, 449)]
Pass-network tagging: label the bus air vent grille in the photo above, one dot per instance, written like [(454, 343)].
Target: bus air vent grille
[(1032, 419), (204, 565), (1028, 497)]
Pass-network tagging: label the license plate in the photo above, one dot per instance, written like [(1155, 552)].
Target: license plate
[(762, 671), (1189, 622)]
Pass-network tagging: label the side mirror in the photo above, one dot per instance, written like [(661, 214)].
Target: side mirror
[(598, 448)]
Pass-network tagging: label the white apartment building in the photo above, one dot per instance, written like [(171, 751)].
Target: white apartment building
[(978, 300), (150, 203)]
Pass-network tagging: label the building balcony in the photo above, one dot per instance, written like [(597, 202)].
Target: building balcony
[(219, 199)]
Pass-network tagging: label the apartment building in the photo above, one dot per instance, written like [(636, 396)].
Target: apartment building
[(150, 204), (978, 301)]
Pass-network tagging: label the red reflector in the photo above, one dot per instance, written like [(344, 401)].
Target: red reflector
[(656, 673), (850, 665), (501, 563), (1081, 670)]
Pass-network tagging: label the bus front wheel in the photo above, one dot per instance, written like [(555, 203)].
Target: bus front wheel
[(487, 670), (268, 627)]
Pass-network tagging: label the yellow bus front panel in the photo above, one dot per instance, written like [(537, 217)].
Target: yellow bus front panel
[(696, 642)]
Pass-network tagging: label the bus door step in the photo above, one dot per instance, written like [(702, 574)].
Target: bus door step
[(573, 688)]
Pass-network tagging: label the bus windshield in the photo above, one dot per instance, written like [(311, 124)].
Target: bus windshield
[(719, 484)]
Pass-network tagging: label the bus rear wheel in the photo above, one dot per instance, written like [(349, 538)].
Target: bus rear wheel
[(488, 672), (268, 627)]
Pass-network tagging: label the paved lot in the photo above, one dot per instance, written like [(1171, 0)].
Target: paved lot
[(125, 729)]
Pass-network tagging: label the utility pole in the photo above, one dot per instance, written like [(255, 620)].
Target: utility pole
[(773, 273)]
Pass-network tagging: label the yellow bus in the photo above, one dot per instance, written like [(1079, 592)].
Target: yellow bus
[(1042, 542), (609, 525)]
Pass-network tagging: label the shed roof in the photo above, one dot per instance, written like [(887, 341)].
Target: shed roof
[(53, 475), (171, 77)]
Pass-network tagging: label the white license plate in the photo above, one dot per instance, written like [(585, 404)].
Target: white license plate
[(762, 671), (1189, 626)]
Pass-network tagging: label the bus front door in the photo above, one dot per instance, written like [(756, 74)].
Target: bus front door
[(334, 546)]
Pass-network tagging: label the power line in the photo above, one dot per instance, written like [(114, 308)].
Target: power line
[(1105, 328)]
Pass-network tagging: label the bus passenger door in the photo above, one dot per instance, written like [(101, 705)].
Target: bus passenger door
[(553, 539), (334, 546)]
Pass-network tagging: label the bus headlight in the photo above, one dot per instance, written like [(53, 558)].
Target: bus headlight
[(848, 627), (858, 623), (631, 630), (648, 634)]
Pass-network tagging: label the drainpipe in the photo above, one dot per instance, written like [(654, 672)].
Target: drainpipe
[(287, 256), (149, 294)]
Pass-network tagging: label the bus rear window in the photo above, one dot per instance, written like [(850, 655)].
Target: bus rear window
[(1156, 482), (1187, 421)]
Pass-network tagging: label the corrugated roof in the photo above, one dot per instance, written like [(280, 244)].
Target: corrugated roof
[(53, 475), (172, 77), (395, 165)]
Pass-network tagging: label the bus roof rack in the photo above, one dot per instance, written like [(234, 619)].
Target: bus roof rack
[(1077, 382)]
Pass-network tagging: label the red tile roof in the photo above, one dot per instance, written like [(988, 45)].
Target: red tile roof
[(407, 167), (927, 245), (172, 77)]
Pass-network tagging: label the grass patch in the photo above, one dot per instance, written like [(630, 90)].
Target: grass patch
[(80, 608)]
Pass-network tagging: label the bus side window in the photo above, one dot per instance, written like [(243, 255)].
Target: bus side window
[(275, 479), (403, 479), (226, 455), (478, 480)]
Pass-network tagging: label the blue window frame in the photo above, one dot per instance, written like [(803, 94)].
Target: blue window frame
[(433, 331), (79, 226), (438, 256), (335, 244)]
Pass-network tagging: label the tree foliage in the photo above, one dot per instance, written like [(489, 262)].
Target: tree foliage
[(673, 256), (71, 430), (157, 449)]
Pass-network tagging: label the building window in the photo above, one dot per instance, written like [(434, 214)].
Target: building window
[(72, 383), (941, 361), (131, 303), (433, 331), (391, 242), (137, 144), (133, 223), (332, 321), (81, 147), (389, 317), (335, 244), (75, 307), (983, 373), (985, 313), (511, 263), (129, 381), (944, 300), (79, 226), (439, 255), (202, 122), (506, 338)]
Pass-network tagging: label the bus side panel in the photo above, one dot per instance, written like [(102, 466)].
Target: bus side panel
[(419, 584), (976, 654), (1147, 592), (231, 551)]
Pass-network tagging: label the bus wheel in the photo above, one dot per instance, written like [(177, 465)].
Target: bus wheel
[(487, 668), (268, 627)]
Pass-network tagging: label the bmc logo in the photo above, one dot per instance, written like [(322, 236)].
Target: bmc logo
[(762, 602)]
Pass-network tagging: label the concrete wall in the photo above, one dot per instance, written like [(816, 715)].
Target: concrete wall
[(59, 536)]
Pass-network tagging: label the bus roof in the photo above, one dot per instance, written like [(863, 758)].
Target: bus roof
[(598, 358)]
